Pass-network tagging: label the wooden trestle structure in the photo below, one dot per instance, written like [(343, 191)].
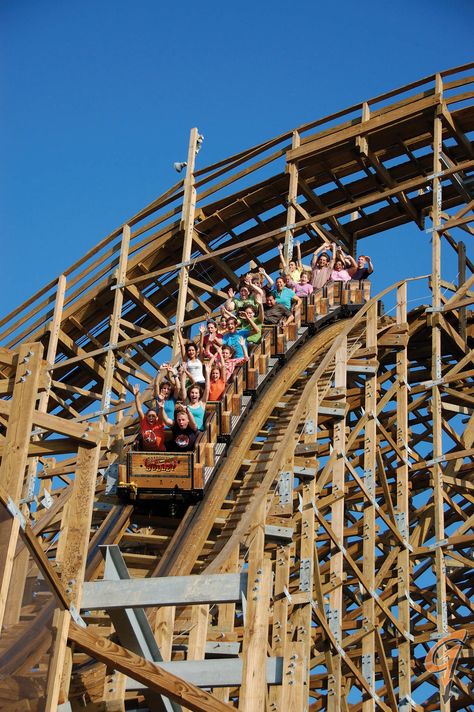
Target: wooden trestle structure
[(333, 548)]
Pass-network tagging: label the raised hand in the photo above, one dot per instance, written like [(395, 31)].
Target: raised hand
[(136, 389)]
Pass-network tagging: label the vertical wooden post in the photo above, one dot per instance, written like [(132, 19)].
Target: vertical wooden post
[(20, 567), (292, 195), (436, 470), (461, 280), (368, 547), (402, 513), (226, 617), (72, 555), (280, 614), (187, 226), (254, 685), (16, 444), (115, 320), (198, 635), (54, 329), (337, 521)]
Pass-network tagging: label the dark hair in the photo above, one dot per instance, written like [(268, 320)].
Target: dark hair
[(211, 321), (195, 385), (188, 344), (230, 348)]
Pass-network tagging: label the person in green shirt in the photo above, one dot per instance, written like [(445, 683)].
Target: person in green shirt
[(249, 320)]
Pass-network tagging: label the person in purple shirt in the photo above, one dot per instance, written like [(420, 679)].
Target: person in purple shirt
[(303, 288)]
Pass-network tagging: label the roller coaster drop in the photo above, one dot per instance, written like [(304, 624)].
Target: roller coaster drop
[(332, 551)]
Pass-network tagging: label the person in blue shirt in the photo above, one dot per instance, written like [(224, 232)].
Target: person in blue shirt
[(284, 295), (233, 335)]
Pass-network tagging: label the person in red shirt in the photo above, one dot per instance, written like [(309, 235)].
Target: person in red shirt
[(152, 428)]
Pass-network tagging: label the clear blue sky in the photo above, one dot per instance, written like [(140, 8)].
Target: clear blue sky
[(98, 97)]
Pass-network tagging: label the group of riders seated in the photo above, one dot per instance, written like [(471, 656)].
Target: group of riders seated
[(182, 391)]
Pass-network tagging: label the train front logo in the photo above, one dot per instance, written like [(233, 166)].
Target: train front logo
[(443, 657)]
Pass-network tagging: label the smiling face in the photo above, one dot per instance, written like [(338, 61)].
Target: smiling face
[(338, 265), (165, 390), (361, 262), (244, 292), (322, 261), (215, 374), (211, 327), (226, 353), (249, 313), (231, 325), (279, 284), (304, 279), (270, 300), (194, 394), (292, 265), (191, 352)]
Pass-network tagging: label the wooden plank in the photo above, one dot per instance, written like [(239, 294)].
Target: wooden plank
[(254, 651), (72, 555), (336, 611), (403, 510), (436, 470), (187, 227), (110, 359), (12, 470), (85, 434), (292, 169), (369, 543)]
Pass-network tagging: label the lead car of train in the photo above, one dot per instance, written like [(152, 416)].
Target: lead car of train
[(165, 475)]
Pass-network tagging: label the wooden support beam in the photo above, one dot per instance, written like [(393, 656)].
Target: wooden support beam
[(144, 671), (187, 227), (12, 469), (403, 509), (110, 359), (254, 652), (336, 609), (369, 536), (292, 170), (436, 470), (72, 556)]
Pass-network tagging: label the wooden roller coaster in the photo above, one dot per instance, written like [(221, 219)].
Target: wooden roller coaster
[(329, 563)]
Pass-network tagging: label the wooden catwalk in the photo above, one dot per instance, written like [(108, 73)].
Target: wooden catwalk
[(329, 564)]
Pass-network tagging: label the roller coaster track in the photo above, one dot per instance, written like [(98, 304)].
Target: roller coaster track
[(343, 505)]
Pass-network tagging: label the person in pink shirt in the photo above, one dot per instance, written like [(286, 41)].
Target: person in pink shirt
[(227, 358), (339, 273)]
